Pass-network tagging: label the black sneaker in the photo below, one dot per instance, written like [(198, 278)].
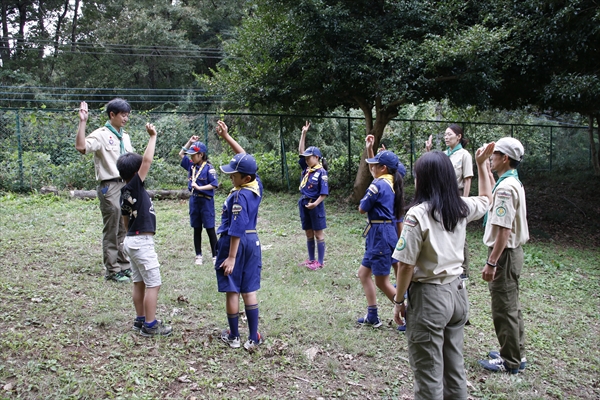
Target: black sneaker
[(157, 330), (137, 325), (127, 272), (117, 277)]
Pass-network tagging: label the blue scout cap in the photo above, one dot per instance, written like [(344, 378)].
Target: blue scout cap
[(243, 163), (312, 151), (197, 147), (387, 158)]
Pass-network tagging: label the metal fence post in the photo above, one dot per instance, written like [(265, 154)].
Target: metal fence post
[(349, 154), (284, 169), (550, 164), (412, 148), (20, 147), (206, 130)]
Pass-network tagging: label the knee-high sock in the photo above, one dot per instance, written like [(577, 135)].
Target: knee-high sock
[(233, 319), (252, 315), (321, 250), (310, 244)]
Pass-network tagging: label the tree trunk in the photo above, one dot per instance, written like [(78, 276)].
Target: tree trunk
[(5, 44), (74, 27), (595, 152), (383, 115), (20, 47)]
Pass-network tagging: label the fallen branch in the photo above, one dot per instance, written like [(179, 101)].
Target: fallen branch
[(574, 205)]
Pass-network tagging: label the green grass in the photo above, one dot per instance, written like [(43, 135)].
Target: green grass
[(65, 332)]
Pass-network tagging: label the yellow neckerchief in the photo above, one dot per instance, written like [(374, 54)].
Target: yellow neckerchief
[(194, 177), (389, 179), (251, 186), (309, 171)]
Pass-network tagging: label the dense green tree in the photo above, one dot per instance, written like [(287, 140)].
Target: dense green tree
[(373, 55)]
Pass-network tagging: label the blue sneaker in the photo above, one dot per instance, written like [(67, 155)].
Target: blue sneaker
[(366, 321), (497, 365), (402, 328), (496, 354)]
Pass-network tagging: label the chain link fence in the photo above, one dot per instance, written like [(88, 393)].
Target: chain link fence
[(37, 146)]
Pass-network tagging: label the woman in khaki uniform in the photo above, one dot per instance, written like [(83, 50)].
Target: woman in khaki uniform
[(430, 254)]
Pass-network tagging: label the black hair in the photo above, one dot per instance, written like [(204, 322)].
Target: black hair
[(436, 184), (459, 131), (128, 164), (511, 161), (252, 176), (398, 193), (324, 163), (117, 105)]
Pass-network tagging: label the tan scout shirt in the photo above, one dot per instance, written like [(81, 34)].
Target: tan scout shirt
[(508, 211), (463, 166), (436, 253), (107, 149)]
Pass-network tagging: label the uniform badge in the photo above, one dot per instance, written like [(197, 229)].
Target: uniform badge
[(236, 209), (401, 244), (410, 221), (110, 141), (373, 189), (324, 178), (503, 194), (316, 175), (501, 211), (212, 171)]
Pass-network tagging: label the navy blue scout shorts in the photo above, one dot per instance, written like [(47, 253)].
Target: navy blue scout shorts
[(312, 219), (379, 246), (202, 212), (245, 277)]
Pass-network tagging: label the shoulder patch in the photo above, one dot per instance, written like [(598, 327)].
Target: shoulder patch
[(236, 209), (504, 194), (501, 211), (401, 244), (373, 189), (324, 178), (212, 171), (410, 221)]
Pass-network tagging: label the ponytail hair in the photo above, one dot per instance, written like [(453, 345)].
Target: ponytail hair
[(324, 163), (398, 194)]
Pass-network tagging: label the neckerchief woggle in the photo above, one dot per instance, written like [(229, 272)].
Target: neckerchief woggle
[(119, 135), (507, 174), (251, 186), (454, 150), (389, 179), (309, 171)]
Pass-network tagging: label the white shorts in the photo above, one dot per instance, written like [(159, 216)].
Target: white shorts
[(144, 261)]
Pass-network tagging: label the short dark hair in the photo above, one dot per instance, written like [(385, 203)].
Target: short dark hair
[(117, 105), (252, 176), (128, 164), (436, 184), (511, 161)]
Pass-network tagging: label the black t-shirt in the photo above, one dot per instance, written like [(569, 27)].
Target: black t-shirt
[(136, 204)]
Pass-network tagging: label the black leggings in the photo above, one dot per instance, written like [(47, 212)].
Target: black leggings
[(212, 237)]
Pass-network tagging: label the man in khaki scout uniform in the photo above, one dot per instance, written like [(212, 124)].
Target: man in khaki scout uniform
[(108, 143), (505, 232)]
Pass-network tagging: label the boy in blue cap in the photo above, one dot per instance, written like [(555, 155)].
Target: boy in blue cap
[(314, 189), (239, 261), (383, 203), (202, 182)]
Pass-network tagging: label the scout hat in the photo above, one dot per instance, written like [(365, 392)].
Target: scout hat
[(312, 151), (243, 163), (389, 159), (511, 147), (197, 147)]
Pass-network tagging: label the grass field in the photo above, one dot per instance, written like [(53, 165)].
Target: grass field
[(65, 332)]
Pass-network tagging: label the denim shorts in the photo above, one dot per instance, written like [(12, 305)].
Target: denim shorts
[(144, 261)]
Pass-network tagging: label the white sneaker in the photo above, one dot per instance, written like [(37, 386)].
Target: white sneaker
[(198, 260)]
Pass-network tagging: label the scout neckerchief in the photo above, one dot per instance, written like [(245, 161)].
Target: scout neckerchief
[(389, 179), (507, 174), (198, 170), (251, 186), (454, 150), (119, 135), (309, 171)]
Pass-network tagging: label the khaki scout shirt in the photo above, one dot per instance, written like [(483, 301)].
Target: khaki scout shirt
[(463, 166), (107, 149), (508, 211), (436, 253)]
